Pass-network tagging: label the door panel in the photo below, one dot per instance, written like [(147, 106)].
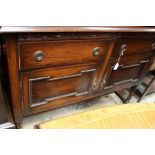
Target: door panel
[(50, 88), (128, 71)]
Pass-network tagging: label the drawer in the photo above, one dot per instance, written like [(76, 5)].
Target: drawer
[(129, 70), (57, 53), (134, 60), (52, 88), (133, 46)]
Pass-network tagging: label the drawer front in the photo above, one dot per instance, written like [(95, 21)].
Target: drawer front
[(51, 88), (133, 46), (134, 60), (129, 69), (57, 53)]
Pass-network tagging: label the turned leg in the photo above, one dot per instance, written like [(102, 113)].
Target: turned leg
[(146, 90), (132, 91), (121, 97), (126, 100)]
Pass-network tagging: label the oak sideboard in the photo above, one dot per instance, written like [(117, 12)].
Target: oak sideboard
[(50, 67), (6, 117)]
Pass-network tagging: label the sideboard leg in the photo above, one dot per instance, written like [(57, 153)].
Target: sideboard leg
[(121, 97), (18, 125), (146, 89), (14, 77), (127, 100), (132, 91)]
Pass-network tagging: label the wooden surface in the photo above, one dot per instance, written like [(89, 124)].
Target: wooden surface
[(60, 53), (6, 119), (121, 116), (13, 29), (68, 70), (14, 77), (64, 85)]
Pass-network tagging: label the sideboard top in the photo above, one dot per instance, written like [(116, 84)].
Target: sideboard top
[(20, 29)]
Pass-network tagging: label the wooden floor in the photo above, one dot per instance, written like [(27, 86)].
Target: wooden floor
[(125, 116)]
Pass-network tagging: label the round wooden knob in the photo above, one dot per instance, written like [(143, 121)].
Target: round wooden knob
[(39, 55), (153, 46), (96, 51)]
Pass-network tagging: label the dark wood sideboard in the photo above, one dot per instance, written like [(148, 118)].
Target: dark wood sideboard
[(50, 67), (6, 117)]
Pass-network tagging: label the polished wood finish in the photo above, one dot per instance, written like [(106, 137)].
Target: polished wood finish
[(134, 46), (58, 53), (129, 66), (6, 121), (129, 116), (102, 71), (50, 67), (14, 76), (20, 29), (50, 87), (6, 117)]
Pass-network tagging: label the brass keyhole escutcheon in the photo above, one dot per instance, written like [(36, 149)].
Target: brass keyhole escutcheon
[(94, 85)]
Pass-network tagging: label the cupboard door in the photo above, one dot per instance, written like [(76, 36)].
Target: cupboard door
[(129, 71), (51, 88)]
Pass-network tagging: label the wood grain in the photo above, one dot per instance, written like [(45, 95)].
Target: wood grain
[(6, 118), (14, 77), (134, 46), (115, 117), (60, 53), (66, 49), (54, 86)]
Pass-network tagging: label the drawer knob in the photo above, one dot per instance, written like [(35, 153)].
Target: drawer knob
[(96, 51), (153, 46), (39, 55)]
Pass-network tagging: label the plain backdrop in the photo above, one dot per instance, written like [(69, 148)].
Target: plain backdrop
[(77, 13)]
